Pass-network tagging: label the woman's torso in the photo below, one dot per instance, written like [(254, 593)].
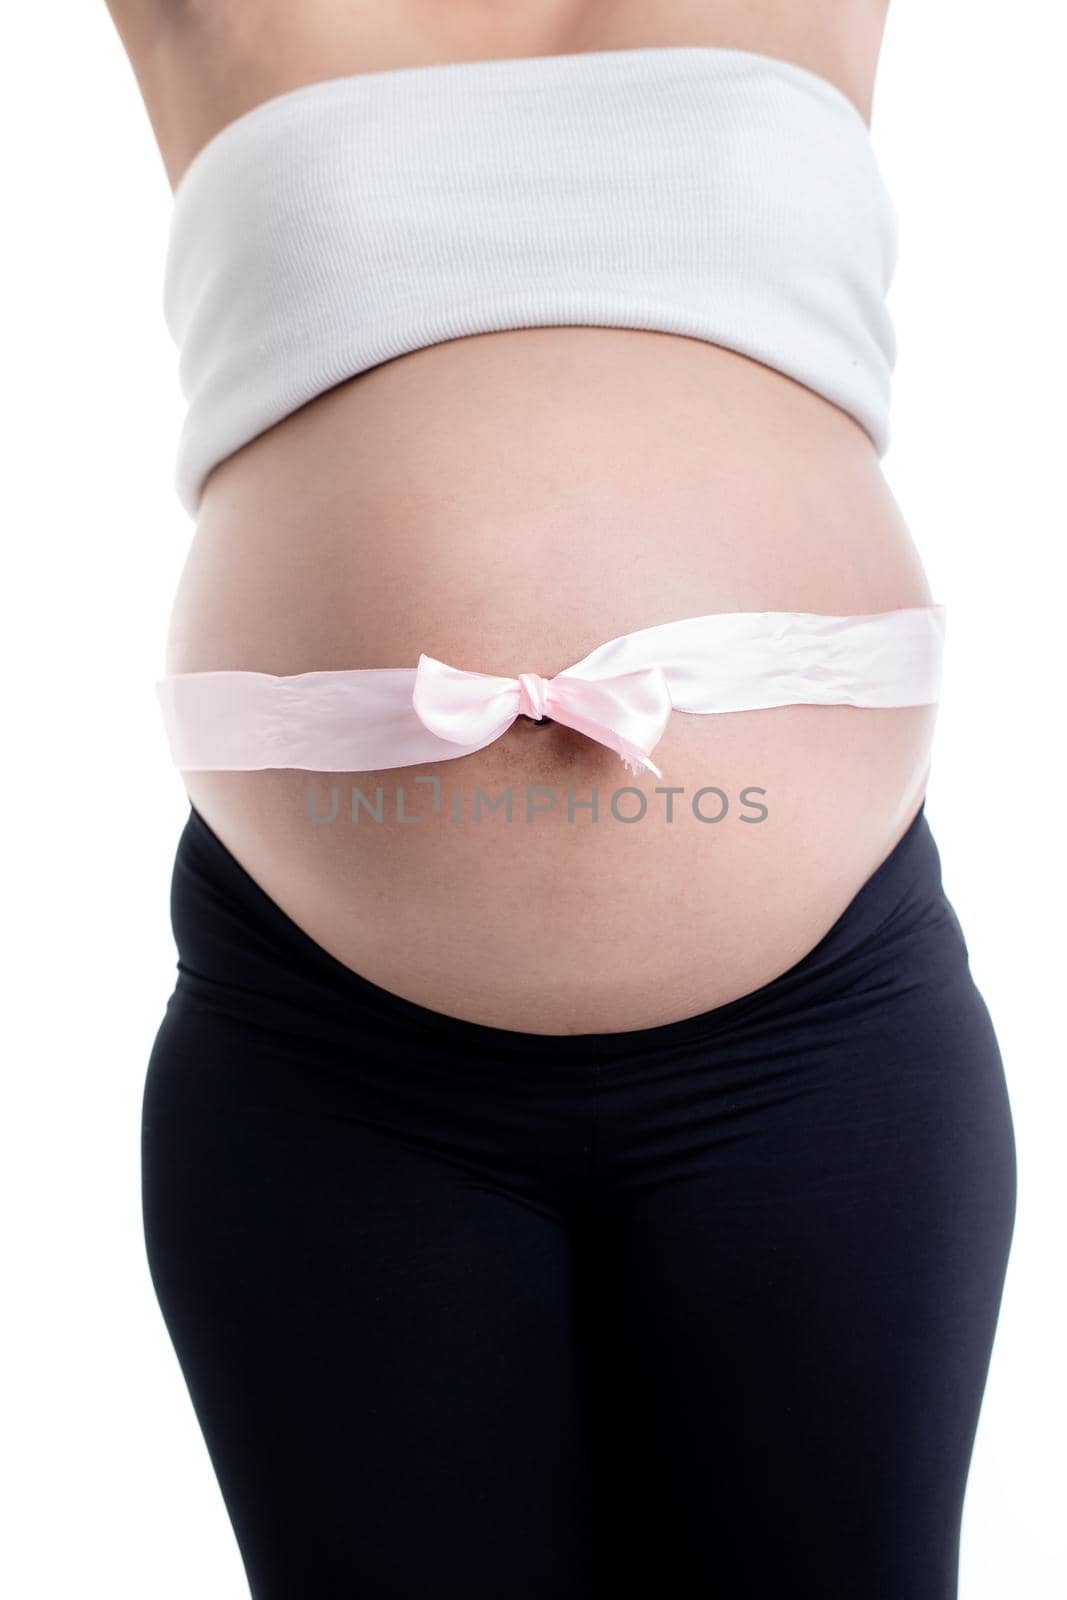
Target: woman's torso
[(506, 502)]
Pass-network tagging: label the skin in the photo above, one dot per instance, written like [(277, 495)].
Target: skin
[(383, 520)]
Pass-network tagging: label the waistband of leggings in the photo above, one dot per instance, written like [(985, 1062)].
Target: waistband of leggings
[(229, 931)]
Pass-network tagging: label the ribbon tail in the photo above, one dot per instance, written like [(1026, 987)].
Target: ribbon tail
[(639, 701), (633, 758), (636, 761)]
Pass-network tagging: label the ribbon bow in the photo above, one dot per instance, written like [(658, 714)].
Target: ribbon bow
[(628, 712)]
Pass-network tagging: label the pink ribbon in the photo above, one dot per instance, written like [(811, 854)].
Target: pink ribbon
[(628, 712)]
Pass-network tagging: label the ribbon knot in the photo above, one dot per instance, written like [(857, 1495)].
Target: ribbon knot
[(626, 712), (532, 695)]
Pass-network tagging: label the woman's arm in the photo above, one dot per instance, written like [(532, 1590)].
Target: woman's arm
[(142, 23), (152, 32)]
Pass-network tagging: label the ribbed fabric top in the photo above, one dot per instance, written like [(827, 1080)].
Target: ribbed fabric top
[(716, 193)]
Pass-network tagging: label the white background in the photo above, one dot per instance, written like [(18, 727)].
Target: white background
[(109, 1488)]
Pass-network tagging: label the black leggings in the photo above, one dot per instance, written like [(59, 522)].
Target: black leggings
[(698, 1310)]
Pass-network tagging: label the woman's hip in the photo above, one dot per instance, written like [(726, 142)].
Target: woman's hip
[(762, 1238)]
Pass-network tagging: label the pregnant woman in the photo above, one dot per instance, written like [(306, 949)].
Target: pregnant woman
[(576, 1157)]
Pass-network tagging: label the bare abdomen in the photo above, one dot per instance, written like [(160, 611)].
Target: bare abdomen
[(506, 503)]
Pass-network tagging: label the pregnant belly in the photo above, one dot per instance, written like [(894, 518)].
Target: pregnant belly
[(506, 503)]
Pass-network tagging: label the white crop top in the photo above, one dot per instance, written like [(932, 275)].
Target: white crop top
[(690, 189)]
